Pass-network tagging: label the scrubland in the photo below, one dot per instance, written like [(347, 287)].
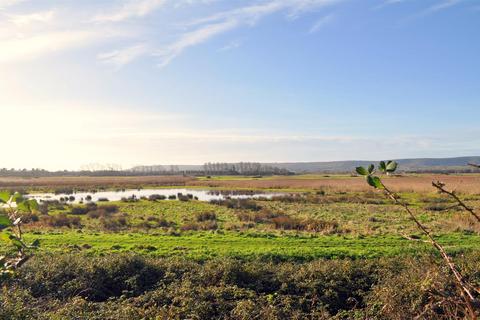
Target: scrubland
[(327, 247)]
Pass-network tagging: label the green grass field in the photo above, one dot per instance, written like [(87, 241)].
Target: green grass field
[(205, 245), (321, 253), (357, 225)]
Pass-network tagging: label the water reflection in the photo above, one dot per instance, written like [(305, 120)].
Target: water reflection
[(159, 194)]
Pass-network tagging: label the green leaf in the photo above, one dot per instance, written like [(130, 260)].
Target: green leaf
[(35, 244), (371, 168), (16, 242), (5, 196), (5, 237), (362, 171), (4, 221), (17, 198), (27, 206), (391, 166), (23, 206), (33, 205), (382, 166), (375, 182), (10, 238)]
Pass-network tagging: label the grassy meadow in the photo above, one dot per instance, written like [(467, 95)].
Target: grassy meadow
[(315, 251), (303, 223)]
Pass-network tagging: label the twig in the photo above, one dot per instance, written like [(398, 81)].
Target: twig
[(441, 187), (464, 287), (413, 239)]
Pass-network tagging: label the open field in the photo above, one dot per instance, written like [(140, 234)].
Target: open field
[(93, 182), (301, 226), (204, 246), (466, 183), (469, 184), (326, 247)]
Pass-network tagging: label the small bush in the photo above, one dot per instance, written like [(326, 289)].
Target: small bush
[(199, 226), (79, 210), (62, 220), (206, 216), (155, 197), (245, 204), (110, 208), (113, 224), (156, 222)]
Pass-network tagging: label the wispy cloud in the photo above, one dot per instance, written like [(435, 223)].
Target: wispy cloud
[(231, 45), (9, 3), (322, 22), (193, 38), (121, 57), (387, 3), (38, 45), (219, 23), (131, 9), (36, 17), (443, 5), (438, 6), (34, 34)]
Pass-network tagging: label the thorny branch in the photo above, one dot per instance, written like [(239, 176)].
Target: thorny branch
[(464, 286), (441, 187)]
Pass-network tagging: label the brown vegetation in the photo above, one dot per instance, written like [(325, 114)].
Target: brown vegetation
[(468, 184), (94, 182)]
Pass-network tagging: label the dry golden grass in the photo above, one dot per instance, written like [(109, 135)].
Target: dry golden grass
[(51, 182), (468, 184)]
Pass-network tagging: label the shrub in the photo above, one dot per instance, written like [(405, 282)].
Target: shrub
[(62, 220), (182, 197), (155, 197), (79, 210), (206, 216), (157, 222), (245, 204), (199, 226), (109, 208), (43, 208), (99, 213), (113, 224), (67, 191), (120, 286)]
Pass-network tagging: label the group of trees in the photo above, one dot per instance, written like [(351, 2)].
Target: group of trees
[(242, 168), (172, 169), (216, 168)]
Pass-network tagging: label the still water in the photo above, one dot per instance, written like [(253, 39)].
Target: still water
[(202, 195)]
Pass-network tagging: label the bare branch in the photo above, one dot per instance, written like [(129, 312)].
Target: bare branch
[(413, 239), (465, 288), (441, 188)]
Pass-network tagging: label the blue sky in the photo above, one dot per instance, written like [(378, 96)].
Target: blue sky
[(190, 81)]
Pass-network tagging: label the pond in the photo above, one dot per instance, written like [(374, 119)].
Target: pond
[(202, 195)]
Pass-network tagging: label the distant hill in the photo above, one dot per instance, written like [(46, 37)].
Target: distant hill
[(459, 164)]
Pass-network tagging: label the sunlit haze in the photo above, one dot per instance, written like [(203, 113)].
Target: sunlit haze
[(191, 81)]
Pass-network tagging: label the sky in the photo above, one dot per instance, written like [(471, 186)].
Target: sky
[(190, 81)]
